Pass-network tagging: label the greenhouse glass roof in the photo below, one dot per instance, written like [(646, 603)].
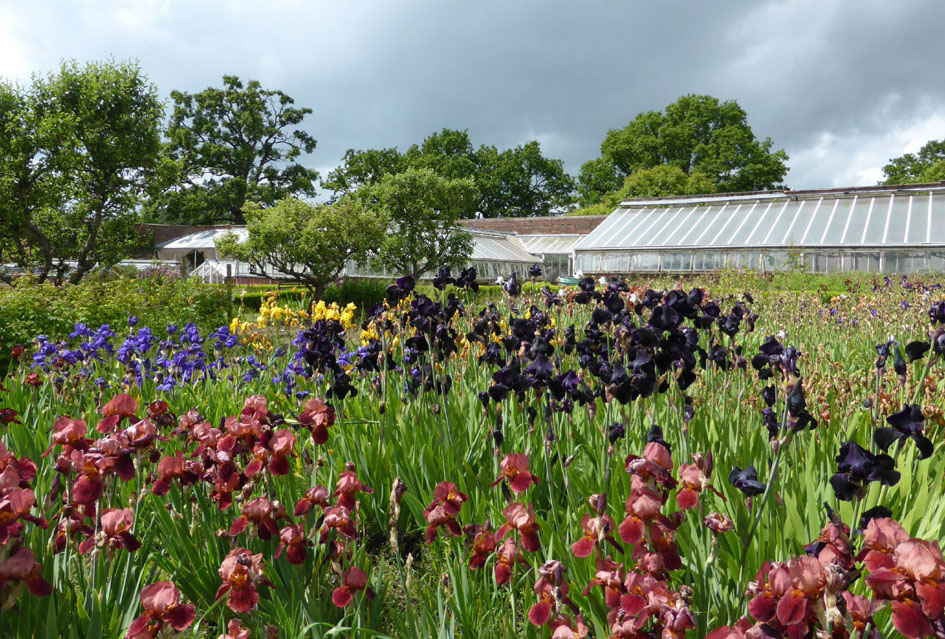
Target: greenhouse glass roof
[(837, 219), (203, 239), (549, 244)]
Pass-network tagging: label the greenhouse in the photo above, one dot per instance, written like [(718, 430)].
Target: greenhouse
[(493, 255), (878, 229)]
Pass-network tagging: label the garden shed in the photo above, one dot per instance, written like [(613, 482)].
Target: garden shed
[(874, 229)]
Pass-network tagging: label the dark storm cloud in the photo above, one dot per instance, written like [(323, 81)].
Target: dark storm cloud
[(842, 86)]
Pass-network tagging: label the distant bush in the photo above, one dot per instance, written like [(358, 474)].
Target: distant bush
[(363, 293), (28, 309)]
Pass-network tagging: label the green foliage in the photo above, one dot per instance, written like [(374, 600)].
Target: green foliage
[(76, 149), (928, 165), (423, 208), (228, 146), (30, 308), (362, 293), (597, 179), (696, 134), (310, 244), (515, 182), (659, 181)]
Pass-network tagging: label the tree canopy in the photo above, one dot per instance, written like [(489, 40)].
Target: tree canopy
[(423, 208), (928, 165), (658, 181), (515, 182), (228, 146), (310, 244), (76, 149), (697, 133)]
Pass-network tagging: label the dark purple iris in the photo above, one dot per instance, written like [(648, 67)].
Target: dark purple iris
[(917, 350), (746, 480), (907, 423), (512, 286), (876, 512), (616, 431), (443, 277), (857, 465), (534, 271), (467, 279)]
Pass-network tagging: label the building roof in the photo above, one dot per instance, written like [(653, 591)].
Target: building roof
[(545, 225), (498, 247), (549, 244), (838, 218), (203, 239)]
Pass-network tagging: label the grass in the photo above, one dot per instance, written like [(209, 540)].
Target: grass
[(429, 435)]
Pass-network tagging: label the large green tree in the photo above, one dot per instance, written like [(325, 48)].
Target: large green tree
[(76, 150), (659, 181), (423, 208), (310, 244), (697, 133), (928, 165), (515, 182), (228, 146)]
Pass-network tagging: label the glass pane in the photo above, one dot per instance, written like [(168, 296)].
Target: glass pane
[(937, 261), (625, 235), (645, 261), (854, 221), (877, 222), (677, 261), (919, 220), (834, 221), (679, 226), (891, 261), (756, 230), (815, 220), (866, 261), (587, 262), (775, 260), (791, 228), (615, 262), (715, 225), (773, 234), (694, 228), (737, 232), (650, 232), (749, 260), (896, 225)]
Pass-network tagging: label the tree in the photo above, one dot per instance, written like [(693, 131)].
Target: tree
[(928, 165), (363, 168), (697, 133), (423, 209), (310, 244), (659, 181), (521, 182), (227, 147), (664, 180), (597, 178), (75, 151), (514, 182)]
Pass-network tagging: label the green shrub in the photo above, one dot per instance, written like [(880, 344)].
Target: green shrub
[(28, 309), (364, 294)]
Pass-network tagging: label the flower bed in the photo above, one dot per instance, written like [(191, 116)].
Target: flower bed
[(602, 461)]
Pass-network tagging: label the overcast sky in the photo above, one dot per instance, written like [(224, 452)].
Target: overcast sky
[(842, 86)]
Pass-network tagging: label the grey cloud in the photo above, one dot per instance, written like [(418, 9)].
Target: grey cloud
[(813, 76)]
